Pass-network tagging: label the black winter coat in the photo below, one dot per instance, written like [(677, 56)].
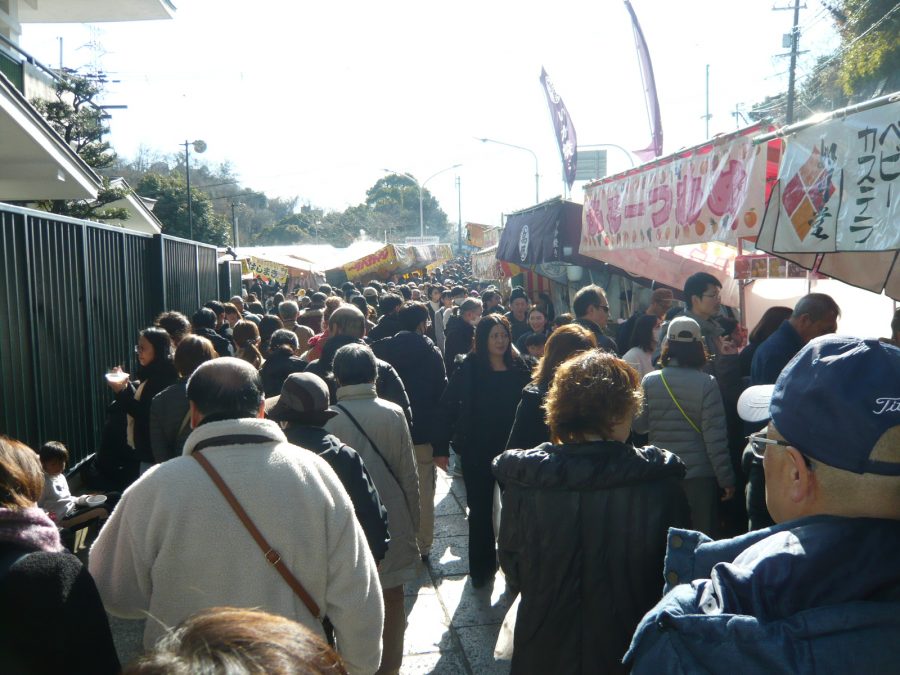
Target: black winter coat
[(583, 536), (387, 326), (351, 471), (457, 340), (221, 344), (160, 376), (388, 384), (53, 617), (280, 364), (169, 425), (477, 410), (529, 429), (420, 365)]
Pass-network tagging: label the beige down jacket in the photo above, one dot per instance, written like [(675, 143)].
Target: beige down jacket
[(397, 480), (705, 454)]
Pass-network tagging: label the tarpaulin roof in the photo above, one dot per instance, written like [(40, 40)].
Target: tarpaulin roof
[(544, 233)]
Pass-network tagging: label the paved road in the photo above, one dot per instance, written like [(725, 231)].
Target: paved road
[(452, 626)]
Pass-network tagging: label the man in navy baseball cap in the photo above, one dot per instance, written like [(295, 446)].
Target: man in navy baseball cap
[(820, 590)]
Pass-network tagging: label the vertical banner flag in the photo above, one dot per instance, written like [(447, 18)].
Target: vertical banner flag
[(655, 148), (565, 130)]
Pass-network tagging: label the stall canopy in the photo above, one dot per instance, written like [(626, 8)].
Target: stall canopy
[(546, 233), (393, 259), (485, 265), (836, 206), (307, 262)]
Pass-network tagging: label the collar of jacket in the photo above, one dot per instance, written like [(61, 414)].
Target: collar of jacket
[(225, 428), (354, 392), (595, 465), (708, 327)]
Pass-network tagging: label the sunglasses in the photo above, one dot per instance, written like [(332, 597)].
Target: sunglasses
[(759, 443)]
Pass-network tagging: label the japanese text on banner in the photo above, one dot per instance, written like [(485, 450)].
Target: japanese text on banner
[(715, 194)]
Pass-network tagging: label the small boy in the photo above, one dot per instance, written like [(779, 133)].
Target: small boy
[(56, 499), (534, 343)]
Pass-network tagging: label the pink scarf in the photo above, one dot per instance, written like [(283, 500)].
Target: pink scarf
[(30, 529)]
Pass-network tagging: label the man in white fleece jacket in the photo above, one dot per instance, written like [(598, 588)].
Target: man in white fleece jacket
[(174, 546)]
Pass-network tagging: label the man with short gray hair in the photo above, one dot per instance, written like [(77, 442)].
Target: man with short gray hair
[(174, 545)]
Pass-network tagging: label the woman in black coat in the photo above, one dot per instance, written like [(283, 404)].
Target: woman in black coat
[(476, 412), (156, 371), (529, 428), (584, 523), (54, 621)]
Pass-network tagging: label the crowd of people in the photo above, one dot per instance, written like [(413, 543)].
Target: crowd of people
[(673, 499)]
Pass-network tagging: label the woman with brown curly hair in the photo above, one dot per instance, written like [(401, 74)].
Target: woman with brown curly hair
[(584, 523)]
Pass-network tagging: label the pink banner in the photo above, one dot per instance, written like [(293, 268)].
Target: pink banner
[(715, 192)]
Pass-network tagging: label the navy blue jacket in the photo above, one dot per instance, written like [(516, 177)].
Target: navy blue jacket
[(774, 354), (814, 595)]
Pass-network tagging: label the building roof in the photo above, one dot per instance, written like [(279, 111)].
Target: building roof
[(93, 11)]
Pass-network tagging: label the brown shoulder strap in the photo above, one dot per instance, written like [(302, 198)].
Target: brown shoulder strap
[(272, 556)]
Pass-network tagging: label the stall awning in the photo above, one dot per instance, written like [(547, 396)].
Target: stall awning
[(836, 206), (396, 259), (546, 233)]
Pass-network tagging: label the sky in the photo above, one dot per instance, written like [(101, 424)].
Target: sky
[(317, 99)]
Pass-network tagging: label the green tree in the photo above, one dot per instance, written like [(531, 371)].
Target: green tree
[(172, 209), (75, 116), (870, 41), (396, 198)]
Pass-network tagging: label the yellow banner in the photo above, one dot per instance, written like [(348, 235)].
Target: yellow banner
[(381, 260), (267, 270)]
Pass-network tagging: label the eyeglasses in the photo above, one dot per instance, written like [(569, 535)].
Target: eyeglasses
[(759, 442), (605, 308)]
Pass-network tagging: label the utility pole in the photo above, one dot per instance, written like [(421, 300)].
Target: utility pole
[(707, 116), (459, 217), (795, 50), (234, 224)]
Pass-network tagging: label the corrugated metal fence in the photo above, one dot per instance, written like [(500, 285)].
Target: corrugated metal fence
[(73, 297)]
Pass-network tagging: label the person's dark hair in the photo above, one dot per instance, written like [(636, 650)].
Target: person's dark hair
[(191, 352), (21, 475), (360, 303), (354, 364), (175, 324), (411, 315), (565, 341), (231, 308), (277, 299), (482, 333), (54, 450), (591, 393), (388, 303), (642, 334), (226, 388), (687, 354), (587, 297), (162, 351), (268, 325), (535, 340), (216, 306), (204, 318), (768, 323), (325, 288), (446, 294), (816, 306), (459, 292), (696, 285), (563, 319), (405, 292), (257, 308), (488, 295), (246, 339), (284, 339)]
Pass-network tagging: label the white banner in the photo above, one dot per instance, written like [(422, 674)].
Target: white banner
[(715, 192), (839, 187)]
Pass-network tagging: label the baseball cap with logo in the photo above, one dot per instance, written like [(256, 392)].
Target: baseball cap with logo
[(303, 399), (836, 399), (684, 329)]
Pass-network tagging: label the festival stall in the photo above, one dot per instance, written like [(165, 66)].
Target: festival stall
[(393, 260), (834, 209), (302, 265), (684, 213)]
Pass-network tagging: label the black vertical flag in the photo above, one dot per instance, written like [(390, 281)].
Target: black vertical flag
[(565, 130)]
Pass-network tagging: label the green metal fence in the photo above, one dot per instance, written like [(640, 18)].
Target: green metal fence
[(73, 297)]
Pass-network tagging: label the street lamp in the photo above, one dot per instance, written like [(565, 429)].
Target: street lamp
[(421, 187), (610, 145), (537, 177), (199, 148)]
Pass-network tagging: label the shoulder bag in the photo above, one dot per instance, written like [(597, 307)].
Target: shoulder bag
[(677, 404)]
